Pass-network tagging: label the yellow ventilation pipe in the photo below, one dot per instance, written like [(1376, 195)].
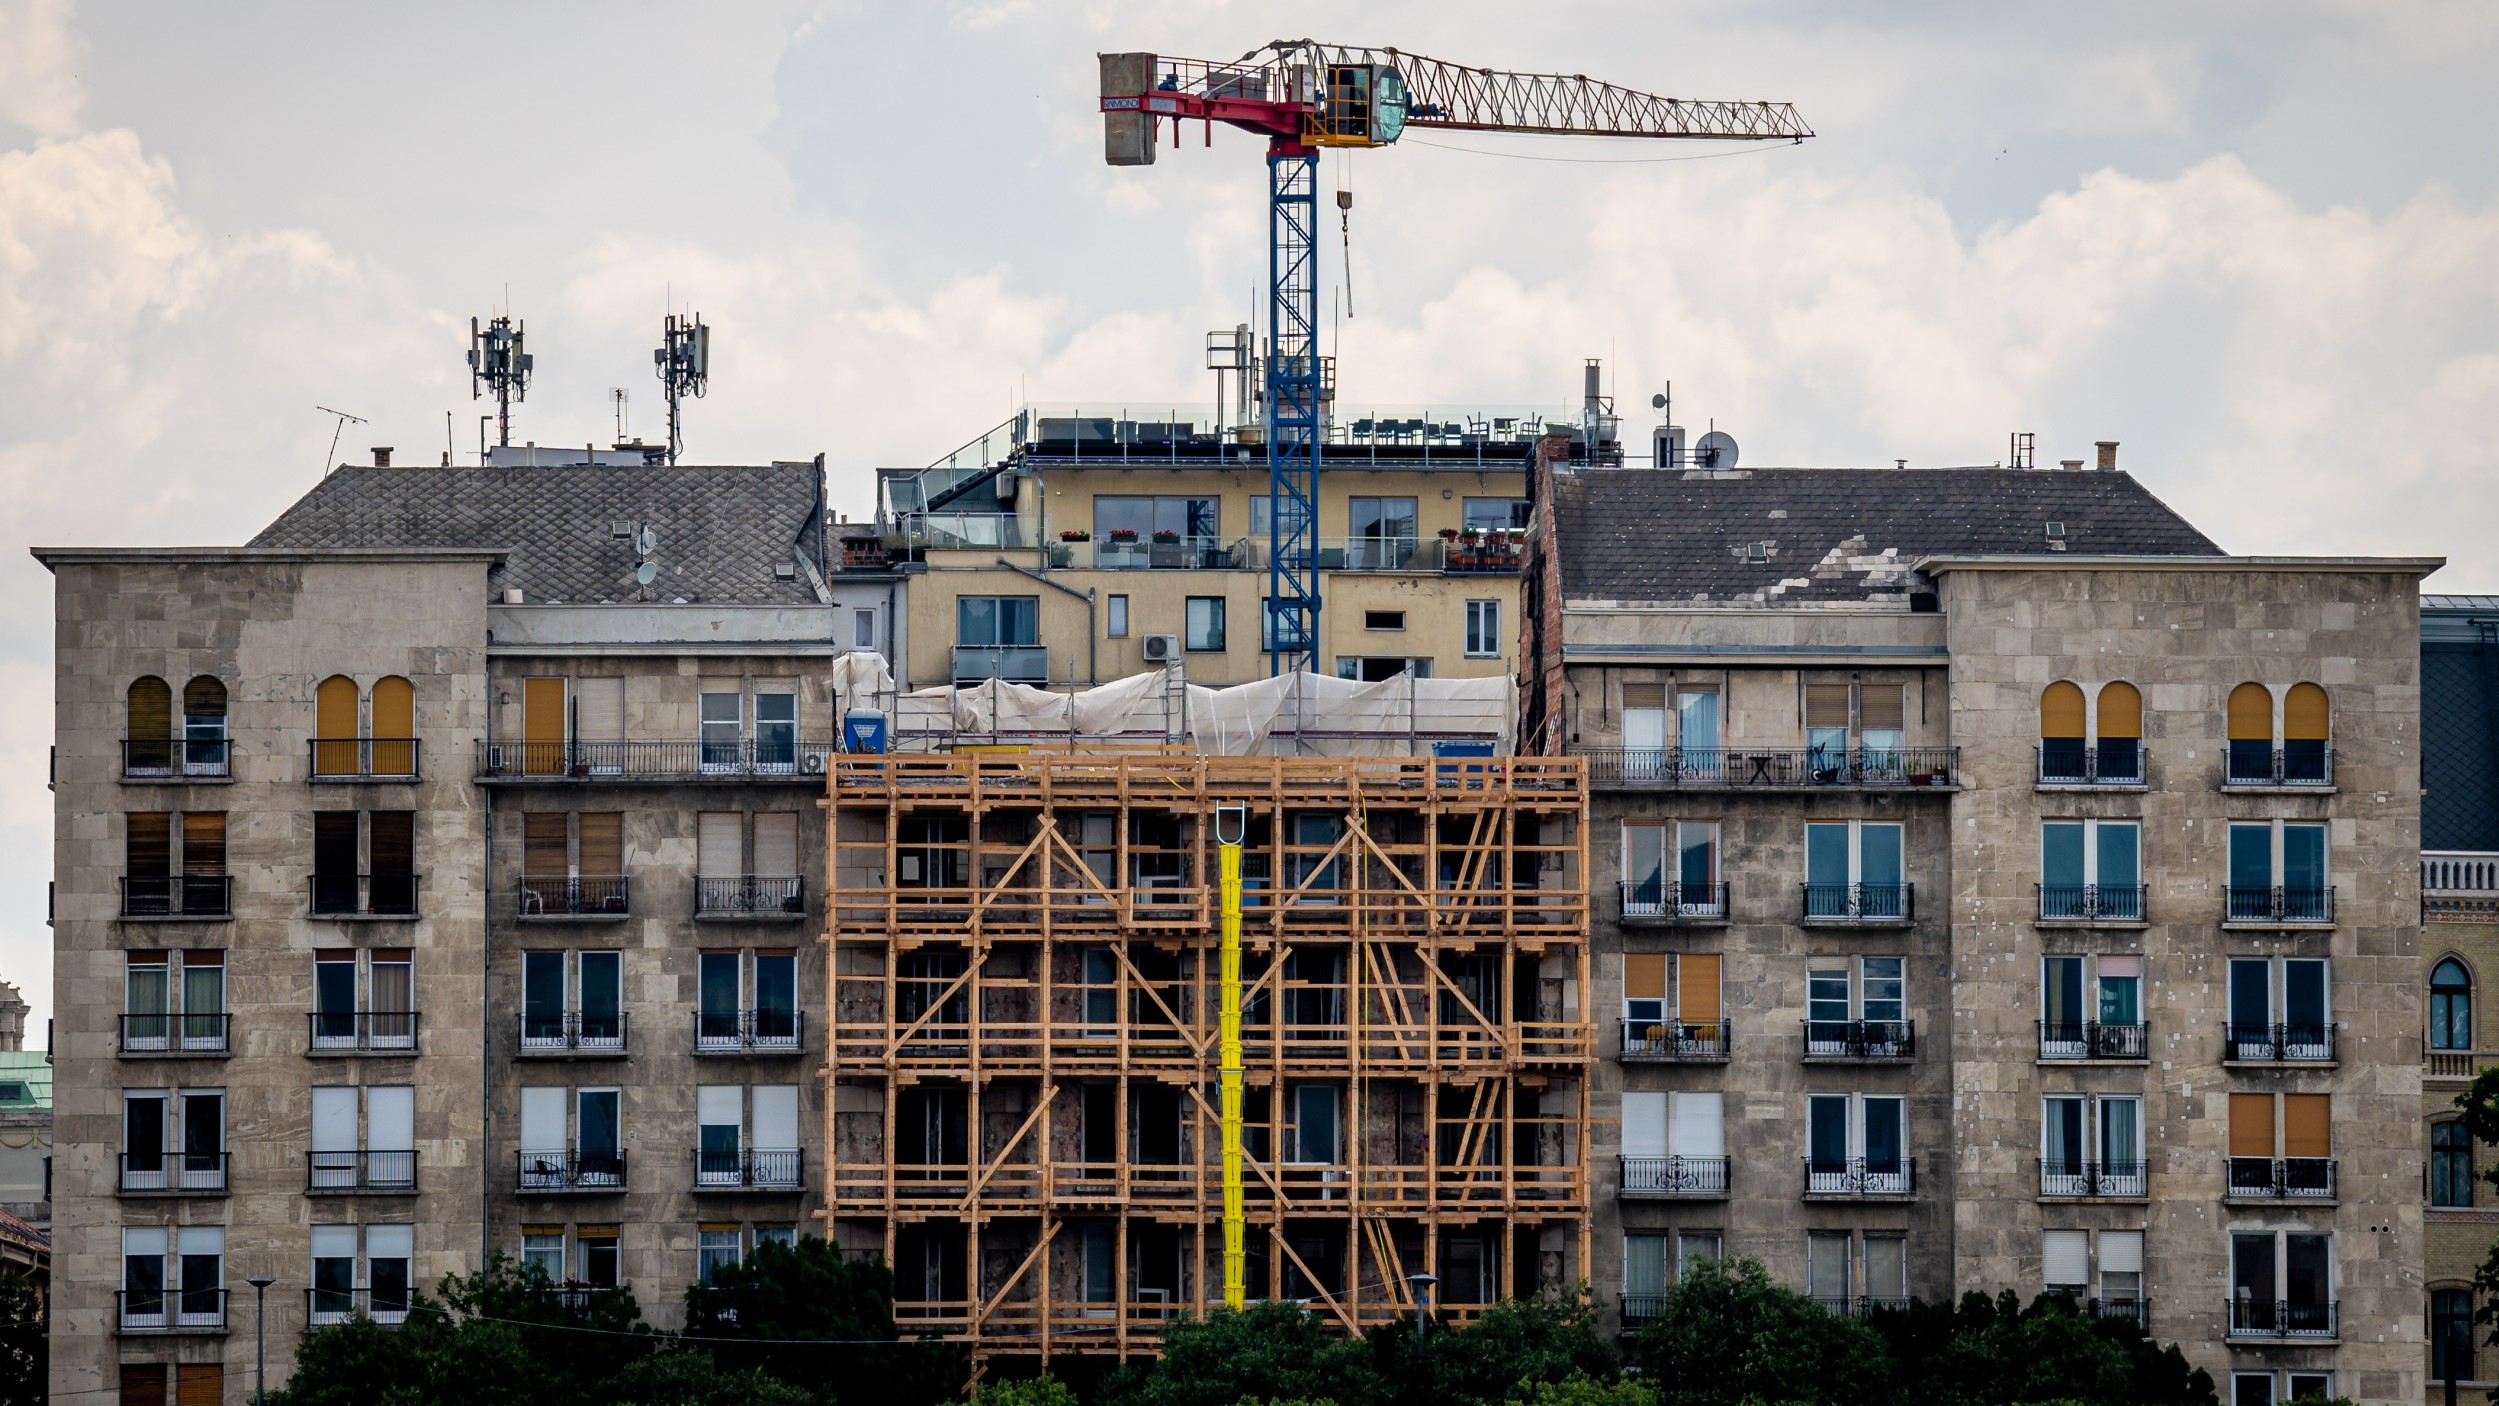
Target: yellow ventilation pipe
[(1228, 1042)]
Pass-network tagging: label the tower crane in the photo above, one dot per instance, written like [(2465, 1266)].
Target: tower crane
[(1305, 97)]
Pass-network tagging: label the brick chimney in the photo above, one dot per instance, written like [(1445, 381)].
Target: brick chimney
[(2108, 455), (381, 456), (2071, 466)]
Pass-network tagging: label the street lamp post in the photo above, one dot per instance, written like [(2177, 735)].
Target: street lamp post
[(260, 1337), (1422, 1300)]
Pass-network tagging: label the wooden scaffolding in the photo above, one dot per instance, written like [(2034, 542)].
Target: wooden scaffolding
[(1020, 1113)]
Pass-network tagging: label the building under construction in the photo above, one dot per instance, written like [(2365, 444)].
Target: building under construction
[(1021, 954)]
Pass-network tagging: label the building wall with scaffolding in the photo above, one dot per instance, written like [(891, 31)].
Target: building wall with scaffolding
[(1021, 956)]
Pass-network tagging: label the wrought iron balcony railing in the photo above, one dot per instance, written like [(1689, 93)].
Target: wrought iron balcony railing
[(749, 1032), (2282, 1178), (1869, 904), (2063, 1176), (572, 1169), (2111, 763), (751, 896), (364, 1032), (2090, 903), (1688, 1041), (326, 1308), (2277, 1044), (364, 895), (1778, 769), (174, 1174), (2291, 765), (2092, 1040), (170, 1310), (183, 1032), (1861, 1039), (572, 1032), (2282, 1318), (750, 1169), (362, 758), (1860, 1176), (2278, 907), (359, 1170), (572, 896), (722, 759), (177, 759), (177, 896), (1698, 1177), (1657, 900)]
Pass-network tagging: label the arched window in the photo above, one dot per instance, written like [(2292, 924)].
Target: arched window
[(2063, 743), (2120, 734), (2451, 1006), (2306, 724), (2251, 734), (394, 727), (149, 750), (2451, 1164), (204, 727), (334, 731), (2451, 1335)]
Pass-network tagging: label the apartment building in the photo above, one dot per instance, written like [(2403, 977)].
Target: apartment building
[(432, 875), (1074, 547), (2000, 888)]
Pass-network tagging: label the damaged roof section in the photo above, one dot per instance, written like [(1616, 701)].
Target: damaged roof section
[(1775, 537)]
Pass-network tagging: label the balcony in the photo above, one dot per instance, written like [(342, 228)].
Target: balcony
[(2140, 1310), (1861, 1039), (363, 1033), (764, 1032), (341, 759), (2112, 766), (204, 1034), (732, 759), (1805, 769), (1162, 551), (170, 1311), (2277, 1044), (1859, 1177), (575, 898), (1862, 1306), (1678, 1178), (1660, 901), (2279, 1319), (1676, 1041), (359, 1171), (1640, 1308), (2281, 1179), (572, 1170), (174, 1174), (2089, 1040), (750, 1169), (2066, 1178), (2458, 1066), (1016, 663), (356, 898), (170, 759), (2259, 766), (751, 897), (178, 898), (2459, 884), (327, 1308), (573, 1034), (2277, 908), (2090, 905), (1859, 905)]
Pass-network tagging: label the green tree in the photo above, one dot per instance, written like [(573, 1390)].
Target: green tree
[(1510, 1347), (1726, 1333), (25, 1356), (782, 1295), (1586, 1390), (1033, 1391), (1268, 1350), (2480, 1105)]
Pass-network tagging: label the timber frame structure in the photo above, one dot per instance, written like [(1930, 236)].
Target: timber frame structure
[(1021, 1104)]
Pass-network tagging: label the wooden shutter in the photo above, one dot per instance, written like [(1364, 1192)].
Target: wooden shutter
[(776, 844), (204, 843), (602, 844), (2061, 712), (1879, 708), (544, 726), (1644, 976), (719, 844), (2251, 1125), (1826, 705), (143, 1384), (147, 845), (393, 841), (200, 1384), (2121, 712), (1644, 695), (2305, 714), (545, 845), (151, 710), (2251, 713), (602, 717), (334, 842), (1697, 991), (203, 697), (334, 729), (2307, 1125), (394, 727)]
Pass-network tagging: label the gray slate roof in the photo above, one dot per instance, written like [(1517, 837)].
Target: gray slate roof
[(720, 529), (1834, 534)]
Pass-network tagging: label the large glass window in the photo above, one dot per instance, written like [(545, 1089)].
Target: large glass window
[(2090, 869), (1380, 533), (1495, 514), (1205, 623), (1853, 869), (1165, 532), (1483, 629), (2451, 1335), (998, 621)]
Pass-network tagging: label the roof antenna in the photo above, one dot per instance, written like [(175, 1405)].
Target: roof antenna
[(343, 419), (498, 363), (683, 362)]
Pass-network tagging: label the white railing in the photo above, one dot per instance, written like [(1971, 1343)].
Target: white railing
[(2459, 871)]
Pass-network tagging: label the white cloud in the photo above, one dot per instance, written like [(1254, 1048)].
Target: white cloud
[(39, 57)]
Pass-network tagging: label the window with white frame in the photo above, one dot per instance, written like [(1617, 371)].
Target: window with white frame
[(543, 1249), (599, 1256), (1670, 869), (2281, 1009), (174, 1000), (746, 1000), (1694, 752), (1856, 1143), (1644, 1276), (1483, 629), (1853, 870), (363, 1138), (863, 629), (1674, 1143), (1204, 620), (2281, 1284), (2091, 870), (173, 1140), (720, 1248), (572, 1000), (2091, 1145), (2278, 872), (361, 1269), (748, 1136), (173, 1277), (2091, 1007), (571, 1138), (1673, 1005), (1857, 1007), (1118, 618), (1695, 1248)]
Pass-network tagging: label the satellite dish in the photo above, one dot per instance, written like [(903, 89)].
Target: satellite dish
[(646, 573), (1716, 450), (646, 542), (1657, 402)]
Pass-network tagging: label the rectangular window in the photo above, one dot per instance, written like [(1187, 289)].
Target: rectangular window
[(2121, 1266), (543, 1250), (1644, 1275), (1383, 619), (1827, 1267), (2090, 869), (599, 724), (863, 629), (600, 1262), (1495, 514), (998, 621), (1695, 1248), (1165, 532), (2278, 872), (389, 1258), (1483, 629), (719, 1249), (1119, 618), (333, 1273), (722, 720), (776, 729), (1887, 1269), (1853, 870), (1205, 623), (2065, 1261)]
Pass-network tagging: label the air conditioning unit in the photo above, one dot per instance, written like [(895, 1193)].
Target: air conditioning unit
[(1162, 649)]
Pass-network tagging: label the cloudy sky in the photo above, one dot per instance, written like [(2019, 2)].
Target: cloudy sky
[(2256, 243)]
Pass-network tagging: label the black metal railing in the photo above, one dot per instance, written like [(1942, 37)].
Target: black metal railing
[(749, 757), (2294, 764), (572, 896), (185, 1032), (177, 896), (326, 1308), (1777, 769), (358, 1170), (2111, 763), (1859, 1176), (1640, 1308), (1674, 1176), (362, 758), (2061, 1039), (174, 1174), (751, 895), (1658, 900), (2277, 1044), (363, 1032), (165, 758), (2282, 1178), (1694, 1040), (750, 1168), (749, 1032), (1860, 903), (572, 1032), (572, 1169), (364, 895), (1861, 1039), (2090, 903), (1859, 1305), (2140, 1310), (2278, 905), (2065, 1176), (2281, 1318), (170, 1310)]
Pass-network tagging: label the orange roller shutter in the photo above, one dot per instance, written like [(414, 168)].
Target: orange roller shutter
[(334, 727), (602, 844), (1697, 993), (143, 1384), (1826, 705), (1879, 708), (1644, 976), (2251, 713), (2251, 1125), (200, 1384), (544, 726), (394, 727), (2061, 712), (2307, 1125), (2121, 712), (151, 710), (2305, 714), (545, 845)]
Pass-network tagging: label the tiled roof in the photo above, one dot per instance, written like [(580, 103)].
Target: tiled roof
[(1835, 534), (720, 529), (2459, 754)]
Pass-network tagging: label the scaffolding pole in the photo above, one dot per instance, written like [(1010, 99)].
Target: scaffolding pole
[(1231, 824)]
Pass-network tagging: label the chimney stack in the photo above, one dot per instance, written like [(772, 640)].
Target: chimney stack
[(2071, 466), (2108, 455), (381, 456)]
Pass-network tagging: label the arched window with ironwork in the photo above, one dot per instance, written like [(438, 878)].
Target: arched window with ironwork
[(2451, 1006)]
